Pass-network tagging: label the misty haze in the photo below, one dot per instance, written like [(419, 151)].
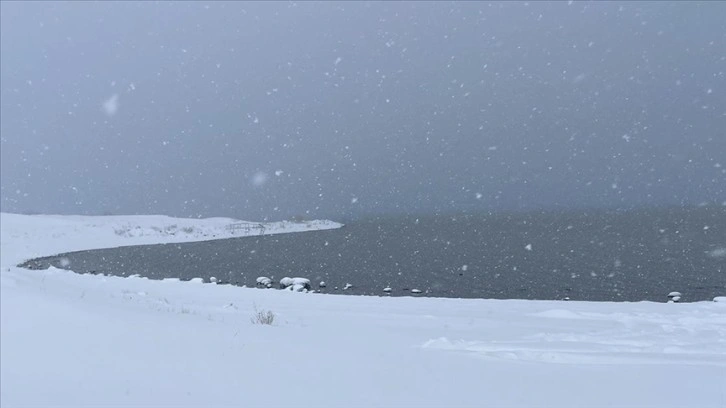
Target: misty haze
[(346, 110)]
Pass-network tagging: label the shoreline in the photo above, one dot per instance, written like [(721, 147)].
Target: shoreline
[(629, 256)]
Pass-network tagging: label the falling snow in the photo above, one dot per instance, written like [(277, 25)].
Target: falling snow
[(110, 105)]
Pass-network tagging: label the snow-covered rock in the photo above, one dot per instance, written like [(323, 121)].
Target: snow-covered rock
[(720, 299), (288, 282), (296, 288), (415, 290), (347, 286), (386, 289), (674, 296), (212, 279), (301, 281), (322, 284), (264, 281)]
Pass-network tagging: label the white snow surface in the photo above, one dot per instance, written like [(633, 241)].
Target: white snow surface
[(88, 340), (63, 233)]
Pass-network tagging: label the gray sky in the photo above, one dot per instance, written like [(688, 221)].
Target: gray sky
[(342, 110)]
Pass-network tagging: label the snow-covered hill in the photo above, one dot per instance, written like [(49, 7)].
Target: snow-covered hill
[(86, 340)]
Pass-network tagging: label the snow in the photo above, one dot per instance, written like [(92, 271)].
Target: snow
[(301, 281), (264, 281), (287, 282), (71, 233), (674, 294), (110, 105), (260, 178), (296, 288), (89, 340)]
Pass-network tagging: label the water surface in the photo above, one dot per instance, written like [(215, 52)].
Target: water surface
[(592, 255)]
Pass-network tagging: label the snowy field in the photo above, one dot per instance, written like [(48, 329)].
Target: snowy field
[(83, 340)]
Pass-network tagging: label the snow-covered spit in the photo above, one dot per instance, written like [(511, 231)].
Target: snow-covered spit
[(65, 233), (88, 340)]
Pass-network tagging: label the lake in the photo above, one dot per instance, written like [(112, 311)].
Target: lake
[(581, 255)]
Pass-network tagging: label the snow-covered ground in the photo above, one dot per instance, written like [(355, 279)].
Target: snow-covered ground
[(84, 340), (65, 233)]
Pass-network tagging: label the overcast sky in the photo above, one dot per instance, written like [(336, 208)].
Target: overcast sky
[(342, 110)]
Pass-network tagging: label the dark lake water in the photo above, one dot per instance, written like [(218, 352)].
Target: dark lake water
[(593, 255)]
